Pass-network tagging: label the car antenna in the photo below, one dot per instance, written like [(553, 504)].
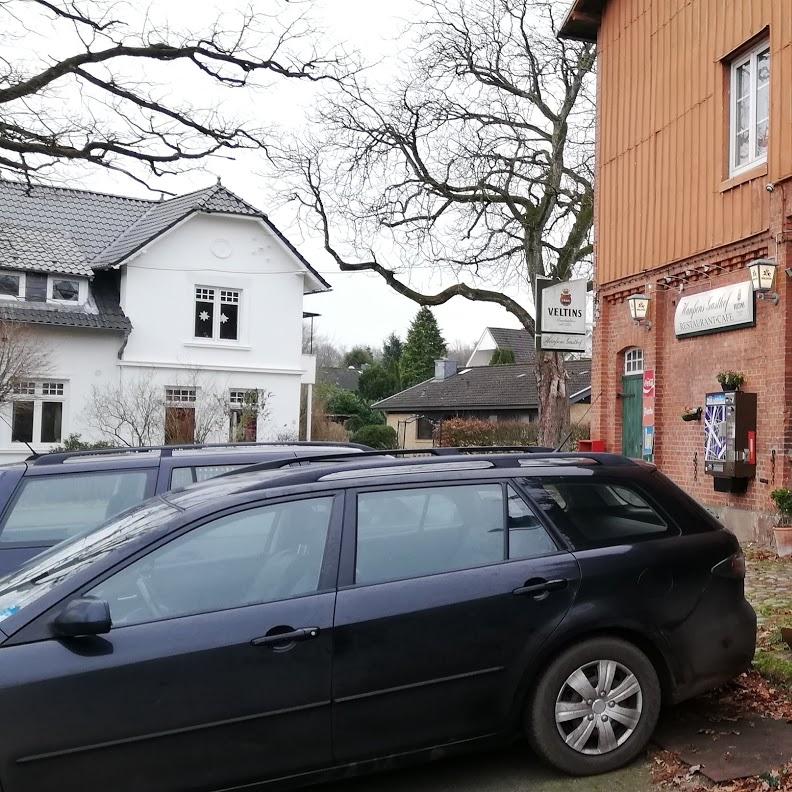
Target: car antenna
[(33, 452)]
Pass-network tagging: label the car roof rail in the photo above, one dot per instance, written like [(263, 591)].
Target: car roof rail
[(57, 457), (506, 456)]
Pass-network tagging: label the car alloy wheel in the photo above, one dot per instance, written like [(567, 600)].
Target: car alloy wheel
[(598, 707)]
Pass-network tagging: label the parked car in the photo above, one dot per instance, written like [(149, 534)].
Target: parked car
[(51, 497), (288, 626)]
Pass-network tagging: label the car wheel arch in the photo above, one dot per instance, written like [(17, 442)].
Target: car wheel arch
[(554, 648)]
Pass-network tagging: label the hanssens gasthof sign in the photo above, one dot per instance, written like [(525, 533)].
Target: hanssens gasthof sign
[(561, 308)]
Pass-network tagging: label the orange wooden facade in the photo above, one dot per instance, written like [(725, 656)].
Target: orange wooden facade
[(663, 188)]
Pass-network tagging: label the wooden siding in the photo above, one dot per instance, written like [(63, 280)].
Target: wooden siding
[(663, 129)]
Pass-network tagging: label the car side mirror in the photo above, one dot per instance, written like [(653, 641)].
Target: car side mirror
[(83, 616)]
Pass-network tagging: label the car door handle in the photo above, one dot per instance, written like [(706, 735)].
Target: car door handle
[(539, 587), (282, 639)]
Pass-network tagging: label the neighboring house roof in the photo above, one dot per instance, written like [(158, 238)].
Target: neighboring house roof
[(346, 378), (101, 312), (521, 342), (483, 387), (583, 20), (94, 230)]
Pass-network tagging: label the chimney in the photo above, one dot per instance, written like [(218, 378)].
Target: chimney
[(445, 368)]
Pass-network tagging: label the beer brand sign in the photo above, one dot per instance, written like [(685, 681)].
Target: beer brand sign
[(561, 312), (726, 308)]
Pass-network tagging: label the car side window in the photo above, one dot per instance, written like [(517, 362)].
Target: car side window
[(56, 507), (527, 536), (407, 533), (597, 513), (259, 555), (184, 476)]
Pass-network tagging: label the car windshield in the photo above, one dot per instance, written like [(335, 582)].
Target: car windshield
[(68, 558)]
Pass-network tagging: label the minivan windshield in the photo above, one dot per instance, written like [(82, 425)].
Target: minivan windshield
[(67, 559)]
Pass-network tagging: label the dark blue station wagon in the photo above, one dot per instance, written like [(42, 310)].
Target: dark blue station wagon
[(279, 627)]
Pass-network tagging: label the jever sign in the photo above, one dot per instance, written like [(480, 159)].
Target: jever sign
[(561, 312)]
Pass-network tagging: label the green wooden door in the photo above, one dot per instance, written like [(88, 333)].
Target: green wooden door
[(632, 415)]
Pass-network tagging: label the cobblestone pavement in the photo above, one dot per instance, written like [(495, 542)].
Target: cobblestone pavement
[(768, 587)]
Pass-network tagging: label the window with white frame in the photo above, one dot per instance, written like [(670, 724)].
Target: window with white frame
[(243, 415), (634, 361), (217, 313), (37, 411), (63, 289), (12, 285), (750, 109)]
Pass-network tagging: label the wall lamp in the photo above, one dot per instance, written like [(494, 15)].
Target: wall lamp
[(639, 308), (763, 273)]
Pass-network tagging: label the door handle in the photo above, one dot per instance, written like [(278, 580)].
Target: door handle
[(540, 587), (280, 640)]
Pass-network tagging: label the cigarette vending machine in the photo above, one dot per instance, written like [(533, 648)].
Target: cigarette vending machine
[(730, 439)]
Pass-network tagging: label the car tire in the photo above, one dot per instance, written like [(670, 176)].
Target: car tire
[(567, 729)]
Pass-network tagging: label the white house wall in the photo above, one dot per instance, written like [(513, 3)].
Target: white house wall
[(81, 359), (157, 294)]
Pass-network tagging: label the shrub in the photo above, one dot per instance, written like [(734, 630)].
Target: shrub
[(376, 436), (477, 432), (502, 357), (74, 443), (783, 500)]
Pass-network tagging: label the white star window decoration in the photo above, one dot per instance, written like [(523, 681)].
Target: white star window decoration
[(223, 318), (204, 316)]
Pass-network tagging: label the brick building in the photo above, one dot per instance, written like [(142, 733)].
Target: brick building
[(694, 182)]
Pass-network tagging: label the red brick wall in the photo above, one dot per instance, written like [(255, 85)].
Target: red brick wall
[(686, 369)]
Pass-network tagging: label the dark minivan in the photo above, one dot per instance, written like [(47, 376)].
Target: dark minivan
[(51, 497), (280, 627)]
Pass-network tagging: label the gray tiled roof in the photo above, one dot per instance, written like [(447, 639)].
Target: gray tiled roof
[(41, 250), (79, 232), (102, 312), (346, 378), (90, 220), (483, 387), (521, 342)]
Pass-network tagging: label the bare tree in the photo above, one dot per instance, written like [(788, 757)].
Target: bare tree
[(106, 102), (131, 413), (23, 357), (477, 164)]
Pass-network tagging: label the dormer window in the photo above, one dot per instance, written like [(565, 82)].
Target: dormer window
[(65, 290), (217, 313), (12, 284)]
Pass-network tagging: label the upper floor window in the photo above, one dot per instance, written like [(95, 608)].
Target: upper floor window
[(63, 290), (217, 313), (634, 361), (12, 284), (750, 109)]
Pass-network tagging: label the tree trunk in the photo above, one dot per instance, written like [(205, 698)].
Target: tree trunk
[(551, 386)]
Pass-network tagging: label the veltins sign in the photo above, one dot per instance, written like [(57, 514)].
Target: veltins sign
[(561, 308), (726, 308)]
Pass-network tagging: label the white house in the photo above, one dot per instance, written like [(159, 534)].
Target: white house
[(193, 304)]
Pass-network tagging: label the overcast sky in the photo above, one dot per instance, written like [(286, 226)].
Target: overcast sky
[(361, 309)]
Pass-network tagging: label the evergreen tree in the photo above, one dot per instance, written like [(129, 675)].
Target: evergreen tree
[(502, 357), (424, 344), (376, 382), (358, 356), (392, 352)]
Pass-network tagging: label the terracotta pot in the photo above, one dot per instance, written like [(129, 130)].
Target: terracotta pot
[(783, 539)]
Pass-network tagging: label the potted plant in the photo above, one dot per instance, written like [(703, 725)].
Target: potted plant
[(730, 380), (691, 414), (783, 528)]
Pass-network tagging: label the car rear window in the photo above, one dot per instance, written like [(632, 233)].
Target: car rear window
[(597, 513), (49, 509)]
